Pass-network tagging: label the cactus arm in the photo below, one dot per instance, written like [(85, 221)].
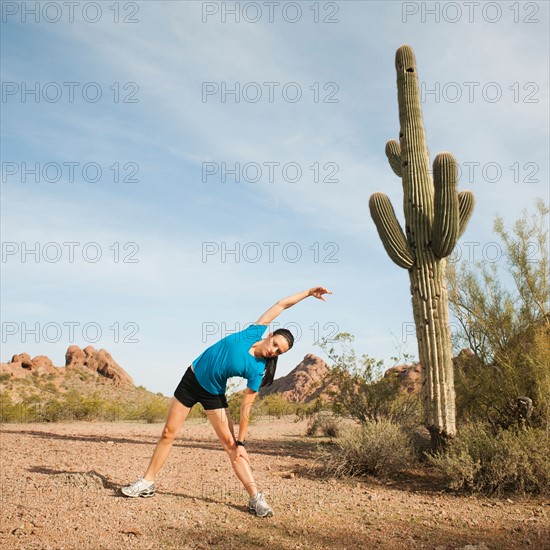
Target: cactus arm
[(393, 152), (466, 203), (446, 219), (390, 231)]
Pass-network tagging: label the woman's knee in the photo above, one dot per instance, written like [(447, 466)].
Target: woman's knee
[(169, 433), (176, 417)]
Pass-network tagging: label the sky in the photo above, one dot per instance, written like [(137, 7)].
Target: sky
[(171, 169)]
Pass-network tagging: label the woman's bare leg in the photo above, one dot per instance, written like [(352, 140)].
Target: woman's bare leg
[(176, 417), (223, 426)]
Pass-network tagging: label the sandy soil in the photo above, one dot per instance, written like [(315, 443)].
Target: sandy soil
[(59, 490)]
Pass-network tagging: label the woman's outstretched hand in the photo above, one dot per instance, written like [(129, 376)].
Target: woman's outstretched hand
[(289, 301), (318, 292)]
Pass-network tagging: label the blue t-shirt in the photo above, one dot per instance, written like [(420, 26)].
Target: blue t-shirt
[(231, 357)]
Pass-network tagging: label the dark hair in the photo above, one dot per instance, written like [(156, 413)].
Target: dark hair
[(271, 363)]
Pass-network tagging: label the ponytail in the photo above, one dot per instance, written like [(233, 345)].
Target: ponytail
[(271, 363)]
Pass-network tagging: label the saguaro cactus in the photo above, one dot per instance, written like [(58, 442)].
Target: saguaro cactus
[(435, 217)]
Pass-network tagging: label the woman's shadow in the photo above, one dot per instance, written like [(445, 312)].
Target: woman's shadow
[(106, 483)]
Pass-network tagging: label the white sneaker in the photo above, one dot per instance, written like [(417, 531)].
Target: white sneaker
[(140, 488), (257, 505)]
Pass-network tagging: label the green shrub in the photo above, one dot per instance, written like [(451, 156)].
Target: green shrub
[(27, 410), (155, 409), (10, 411), (53, 410), (363, 391), (234, 401), (503, 311), (328, 425), (489, 392), (275, 405), (379, 449), (126, 410), (510, 461), (303, 411), (50, 387), (55, 406), (197, 412)]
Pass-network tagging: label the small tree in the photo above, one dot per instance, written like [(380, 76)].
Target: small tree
[(363, 392), (504, 318)]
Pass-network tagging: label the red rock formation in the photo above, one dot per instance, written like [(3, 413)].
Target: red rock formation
[(89, 351), (24, 359), (98, 361), (309, 380), (22, 365), (74, 357), (102, 362), (43, 365), (42, 361), (14, 369), (410, 377)]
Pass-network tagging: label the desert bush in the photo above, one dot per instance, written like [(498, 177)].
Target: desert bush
[(275, 405), (50, 387), (6, 408), (503, 311), (86, 407), (510, 461), (12, 412), (234, 401), (155, 409), (327, 424), (363, 392), (330, 427), (29, 409), (490, 392), (197, 412), (73, 405), (312, 427), (304, 411), (377, 448), (150, 408), (53, 410)]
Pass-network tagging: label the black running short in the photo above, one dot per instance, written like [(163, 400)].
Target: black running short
[(189, 392)]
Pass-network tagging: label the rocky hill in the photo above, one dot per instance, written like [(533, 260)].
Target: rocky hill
[(98, 361), (309, 380), (410, 377), (85, 370), (312, 379), (91, 386)]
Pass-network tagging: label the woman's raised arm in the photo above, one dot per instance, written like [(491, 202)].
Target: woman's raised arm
[(289, 301)]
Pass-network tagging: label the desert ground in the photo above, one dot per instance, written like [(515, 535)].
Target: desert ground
[(59, 490)]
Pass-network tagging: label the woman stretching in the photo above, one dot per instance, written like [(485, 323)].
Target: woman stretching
[(243, 354)]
